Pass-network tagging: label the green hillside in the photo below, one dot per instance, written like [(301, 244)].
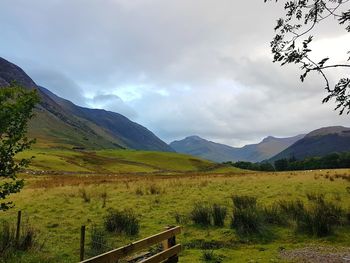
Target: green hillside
[(118, 161)]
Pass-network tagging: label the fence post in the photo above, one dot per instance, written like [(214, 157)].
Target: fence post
[(168, 244), (82, 242), (18, 228)]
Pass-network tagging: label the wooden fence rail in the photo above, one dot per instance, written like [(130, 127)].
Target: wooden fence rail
[(167, 238)]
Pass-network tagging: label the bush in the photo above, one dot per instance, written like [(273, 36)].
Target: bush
[(154, 189), (246, 219), (210, 256), (293, 209), (273, 215), (219, 214), (320, 218), (243, 201), (7, 237), (201, 214), (122, 222), (84, 195), (27, 238)]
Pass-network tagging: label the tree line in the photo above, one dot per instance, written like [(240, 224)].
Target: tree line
[(329, 161)]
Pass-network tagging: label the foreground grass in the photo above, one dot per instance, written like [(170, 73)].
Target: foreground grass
[(54, 205)]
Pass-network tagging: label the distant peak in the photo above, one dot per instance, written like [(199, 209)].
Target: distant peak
[(329, 130), (194, 137), (268, 138)]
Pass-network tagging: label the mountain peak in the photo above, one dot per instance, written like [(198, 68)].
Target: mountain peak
[(194, 137), (268, 138), (340, 130)]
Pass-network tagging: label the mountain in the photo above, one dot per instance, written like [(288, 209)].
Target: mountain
[(319, 142), (59, 122), (268, 147)]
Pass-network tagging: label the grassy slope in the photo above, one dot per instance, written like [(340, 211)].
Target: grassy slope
[(55, 206), (118, 161)]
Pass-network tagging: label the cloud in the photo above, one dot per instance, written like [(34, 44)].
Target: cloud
[(113, 103), (178, 67)]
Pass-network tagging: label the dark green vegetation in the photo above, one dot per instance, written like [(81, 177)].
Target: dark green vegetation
[(122, 222), (293, 44), (59, 122), (16, 110), (264, 166), (10, 245), (317, 218), (330, 161), (266, 149)]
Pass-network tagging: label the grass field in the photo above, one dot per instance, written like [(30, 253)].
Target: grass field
[(162, 189)]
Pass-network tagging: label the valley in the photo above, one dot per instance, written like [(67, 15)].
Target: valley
[(56, 205)]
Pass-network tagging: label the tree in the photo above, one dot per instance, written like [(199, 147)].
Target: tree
[(292, 43), (16, 108)]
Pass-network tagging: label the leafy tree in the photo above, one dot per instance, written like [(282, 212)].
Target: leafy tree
[(16, 108), (281, 165), (292, 43)]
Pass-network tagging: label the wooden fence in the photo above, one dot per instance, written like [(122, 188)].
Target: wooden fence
[(167, 238)]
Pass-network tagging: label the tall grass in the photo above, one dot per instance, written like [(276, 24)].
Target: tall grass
[(318, 218), (124, 221), (247, 219), (219, 214), (8, 243), (201, 214)]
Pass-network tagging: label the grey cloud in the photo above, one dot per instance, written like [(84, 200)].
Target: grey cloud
[(211, 58), (112, 103)]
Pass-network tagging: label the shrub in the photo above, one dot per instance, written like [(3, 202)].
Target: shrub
[(84, 195), (7, 237), (122, 222), (272, 214), (320, 218), (246, 219), (27, 238), (210, 256), (293, 209), (219, 214), (154, 189), (243, 201), (98, 243), (139, 191), (201, 214)]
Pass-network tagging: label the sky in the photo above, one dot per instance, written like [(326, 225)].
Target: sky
[(180, 68)]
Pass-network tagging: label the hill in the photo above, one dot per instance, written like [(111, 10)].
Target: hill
[(65, 161), (59, 122), (268, 147), (319, 142)]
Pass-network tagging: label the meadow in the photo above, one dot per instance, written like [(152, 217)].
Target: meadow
[(66, 189)]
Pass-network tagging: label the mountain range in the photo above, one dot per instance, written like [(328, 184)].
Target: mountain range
[(267, 148), (58, 122), (319, 142)]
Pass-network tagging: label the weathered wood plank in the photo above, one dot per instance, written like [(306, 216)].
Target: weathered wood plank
[(165, 254), (119, 253)]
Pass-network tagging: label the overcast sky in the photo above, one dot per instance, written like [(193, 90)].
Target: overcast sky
[(180, 68)]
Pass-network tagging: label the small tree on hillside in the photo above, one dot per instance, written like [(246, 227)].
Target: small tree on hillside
[(16, 108)]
